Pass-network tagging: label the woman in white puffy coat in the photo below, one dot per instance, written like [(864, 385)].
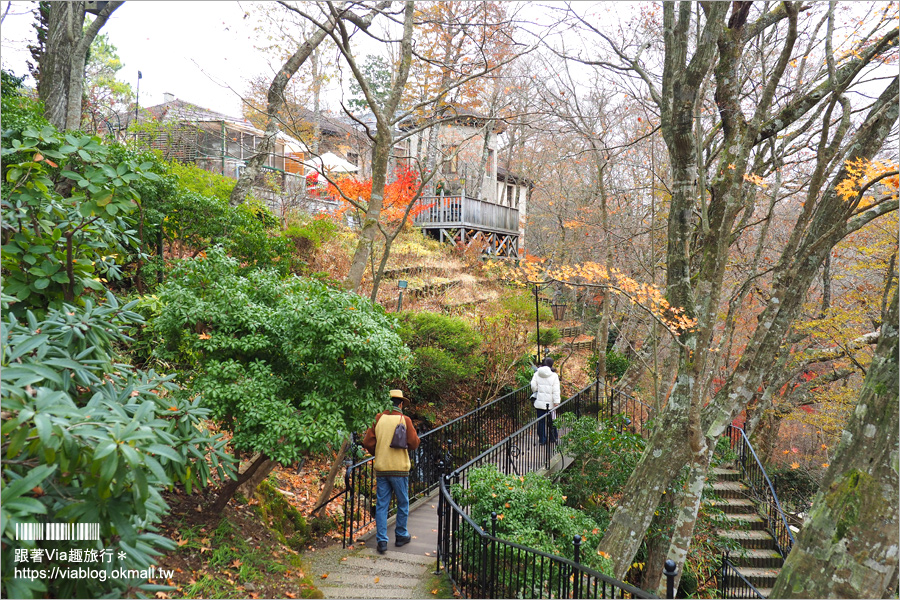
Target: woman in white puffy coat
[(545, 385)]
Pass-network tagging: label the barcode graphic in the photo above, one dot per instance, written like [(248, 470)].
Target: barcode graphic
[(58, 531)]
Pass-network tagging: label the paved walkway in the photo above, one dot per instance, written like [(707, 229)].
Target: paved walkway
[(363, 573), (406, 572)]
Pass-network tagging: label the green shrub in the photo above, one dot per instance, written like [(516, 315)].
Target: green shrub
[(68, 214), (445, 350), (616, 364), (604, 455), (532, 511), (90, 440), (200, 221), (549, 336), (441, 331), (200, 181), (434, 371), (288, 366), (521, 305)]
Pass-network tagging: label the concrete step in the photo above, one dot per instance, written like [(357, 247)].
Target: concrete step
[(760, 577), (367, 574), (730, 489), (368, 566), (726, 474), (736, 506), (760, 540), (749, 557), (747, 521), (369, 592), (740, 593)]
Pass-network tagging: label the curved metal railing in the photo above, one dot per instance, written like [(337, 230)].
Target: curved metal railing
[(762, 489), (733, 584), (482, 565), (463, 438)]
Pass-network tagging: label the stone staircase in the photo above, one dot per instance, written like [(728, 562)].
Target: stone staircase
[(364, 573), (757, 560)]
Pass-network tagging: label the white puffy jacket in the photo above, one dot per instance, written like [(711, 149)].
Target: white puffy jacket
[(545, 383)]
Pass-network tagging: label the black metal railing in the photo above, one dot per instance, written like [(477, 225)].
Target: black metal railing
[(733, 584), (762, 489), (638, 413), (463, 438), (481, 565)]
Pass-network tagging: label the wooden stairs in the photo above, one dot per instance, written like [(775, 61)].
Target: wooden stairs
[(758, 560)]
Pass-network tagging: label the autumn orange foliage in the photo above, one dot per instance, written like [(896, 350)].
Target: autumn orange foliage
[(398, 195)]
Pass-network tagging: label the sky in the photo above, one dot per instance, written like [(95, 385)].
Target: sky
[(194, 50), (202, 52)]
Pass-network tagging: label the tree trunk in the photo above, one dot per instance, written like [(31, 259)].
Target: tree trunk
[(62, 64), (325, 494), (249, 486), (657, 544), (848, 547), (275, 102), (381, 151), (689, 507), (228, 490), (655, 472)]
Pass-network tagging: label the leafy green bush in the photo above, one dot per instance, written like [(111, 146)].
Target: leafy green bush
[(199, 221), (604, 455), (531, 511), (445, 350), (19, 112), (432, 329), (549, 336), (288, 366), (200, 181), (90, 440), (434, 371), (616, 364), (521, 305), (68, 208)]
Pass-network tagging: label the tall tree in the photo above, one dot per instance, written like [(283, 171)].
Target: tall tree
[(61, 62), (276, 100), (704, 224), (848, 546)]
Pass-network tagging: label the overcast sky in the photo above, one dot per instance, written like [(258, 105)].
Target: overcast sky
[(202, 52), (191, 49)]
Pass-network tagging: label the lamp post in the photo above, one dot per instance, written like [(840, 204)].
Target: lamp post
[(402, 285), (137, 97), (537, 322)]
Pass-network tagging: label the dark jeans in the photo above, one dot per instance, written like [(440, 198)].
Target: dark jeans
[(542, 427)]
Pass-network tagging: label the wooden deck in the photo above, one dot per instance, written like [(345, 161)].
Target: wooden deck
[(467, 221)]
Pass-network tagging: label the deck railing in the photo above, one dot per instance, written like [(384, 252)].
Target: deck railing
[(462, 211)]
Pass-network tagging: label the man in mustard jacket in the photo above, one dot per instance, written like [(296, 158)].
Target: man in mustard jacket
[(391, 469)]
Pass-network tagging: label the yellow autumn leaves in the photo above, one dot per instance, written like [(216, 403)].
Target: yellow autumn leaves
[(592, 274)]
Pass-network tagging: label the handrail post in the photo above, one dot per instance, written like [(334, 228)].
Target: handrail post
[(670, 571), (440, 511), (493, 569), (348, 515), (576, 585), (483, 576)]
